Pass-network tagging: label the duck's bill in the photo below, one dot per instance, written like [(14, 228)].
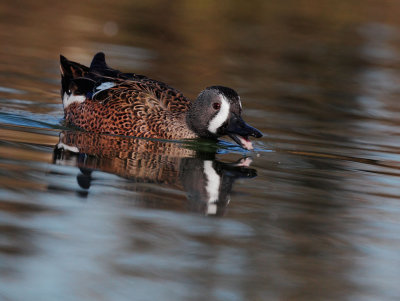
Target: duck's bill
[(242, 141), (240, 131)]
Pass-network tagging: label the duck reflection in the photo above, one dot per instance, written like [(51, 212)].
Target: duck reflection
[(206, 181)]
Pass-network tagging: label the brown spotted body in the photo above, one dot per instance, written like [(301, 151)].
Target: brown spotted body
[(103, 100), (132, 111)]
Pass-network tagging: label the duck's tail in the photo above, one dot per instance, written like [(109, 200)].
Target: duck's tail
[(70, 71), (72, 74)]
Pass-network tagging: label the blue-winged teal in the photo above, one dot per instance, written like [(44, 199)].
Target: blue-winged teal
[(103, 100)]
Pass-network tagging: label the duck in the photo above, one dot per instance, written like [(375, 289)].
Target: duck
[(104, 100)]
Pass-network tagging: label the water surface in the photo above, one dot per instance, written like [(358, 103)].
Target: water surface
[(311, 214)]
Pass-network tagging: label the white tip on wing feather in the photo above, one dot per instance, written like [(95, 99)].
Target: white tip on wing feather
[(104, 86), (68, 99), (221, 116)]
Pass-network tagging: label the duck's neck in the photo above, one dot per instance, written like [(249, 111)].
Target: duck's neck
[(188, 119), (180, 127), (196, 121)]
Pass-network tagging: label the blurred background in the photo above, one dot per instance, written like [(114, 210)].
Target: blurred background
[(314, 217)]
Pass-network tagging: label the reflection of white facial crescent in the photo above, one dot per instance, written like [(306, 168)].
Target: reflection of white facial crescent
[(212, 187)]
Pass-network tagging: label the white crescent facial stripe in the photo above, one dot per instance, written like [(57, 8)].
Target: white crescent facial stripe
[(221, 116), (68, 99)]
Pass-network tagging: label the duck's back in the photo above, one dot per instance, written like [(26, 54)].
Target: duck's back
[(101, 99)]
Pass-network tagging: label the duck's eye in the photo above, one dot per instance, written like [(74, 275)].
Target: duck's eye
[(216, 105)]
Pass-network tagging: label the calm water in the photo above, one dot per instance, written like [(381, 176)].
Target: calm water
[(312, 214)]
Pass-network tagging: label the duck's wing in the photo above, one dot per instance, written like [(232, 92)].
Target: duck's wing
[(138, 93), (101, 83), (130, 84)]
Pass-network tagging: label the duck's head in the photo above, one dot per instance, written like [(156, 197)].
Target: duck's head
[(217, 112)]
